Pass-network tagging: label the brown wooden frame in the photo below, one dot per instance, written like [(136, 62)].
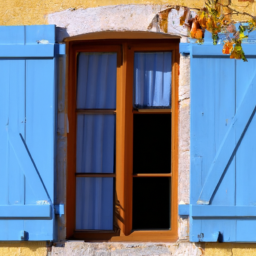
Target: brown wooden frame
[(124, 143)]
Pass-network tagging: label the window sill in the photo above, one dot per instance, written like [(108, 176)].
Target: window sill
[(137, 236)]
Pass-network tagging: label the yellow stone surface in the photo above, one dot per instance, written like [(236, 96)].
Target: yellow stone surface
[(230, 249), (28, 12), (23, 249)]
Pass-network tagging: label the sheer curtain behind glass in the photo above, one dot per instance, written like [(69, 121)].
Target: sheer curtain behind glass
[(95, 145), (152, 79), (96, 85)]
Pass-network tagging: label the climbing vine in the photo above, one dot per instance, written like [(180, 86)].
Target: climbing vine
[(217, 18)]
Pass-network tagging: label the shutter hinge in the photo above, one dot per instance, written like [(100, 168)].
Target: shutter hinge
[(184, 210), (23, 235), (59, 209)]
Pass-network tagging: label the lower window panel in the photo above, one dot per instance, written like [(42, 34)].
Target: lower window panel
[(151, 203), (94, 203)]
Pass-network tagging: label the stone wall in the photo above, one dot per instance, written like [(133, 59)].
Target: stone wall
[(126, 249)]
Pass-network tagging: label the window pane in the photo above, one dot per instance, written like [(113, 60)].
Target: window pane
[(94, 203), (152, 143), (96, 81), (95, 145), (152, 79), (151, 203)]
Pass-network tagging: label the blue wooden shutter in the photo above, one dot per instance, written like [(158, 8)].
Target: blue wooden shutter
[(27, 132), (223, 145)]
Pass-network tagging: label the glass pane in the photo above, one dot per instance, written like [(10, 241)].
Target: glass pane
[(96, 81), (151, 203), (95, 144), (94, 203), (152, 79), (152, 143)]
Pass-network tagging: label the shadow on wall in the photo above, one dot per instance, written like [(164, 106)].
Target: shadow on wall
[(61, 33)]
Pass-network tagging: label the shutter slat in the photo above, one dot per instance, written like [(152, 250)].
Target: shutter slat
[(245, 155), (40, 118), (16, 124), (27, 51), (25, 211), (223, 211)]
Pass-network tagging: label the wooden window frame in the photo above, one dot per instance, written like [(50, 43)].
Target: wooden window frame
[(124, 143)]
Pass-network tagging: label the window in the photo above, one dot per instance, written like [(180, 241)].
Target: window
[(122, 141)]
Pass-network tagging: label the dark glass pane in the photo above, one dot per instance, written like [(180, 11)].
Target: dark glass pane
[(152, 143), (152, 79), (94, 203), (95, 144), (96, 80), (151, 203)]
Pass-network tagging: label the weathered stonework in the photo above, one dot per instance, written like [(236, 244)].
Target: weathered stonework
[(79, 248), (115, 18), (184, 129)]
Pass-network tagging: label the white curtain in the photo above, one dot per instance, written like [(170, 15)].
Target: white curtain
[(94, 203), (152, 79), (96, 81), (95, 146)]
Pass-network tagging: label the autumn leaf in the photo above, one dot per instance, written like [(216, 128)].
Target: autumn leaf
[(238, 52), (213, 26), (227, 48), (199, 34), (202, 19), (194, 30), (242, 33)]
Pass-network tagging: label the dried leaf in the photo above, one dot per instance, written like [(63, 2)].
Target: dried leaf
[(202, 19), (238, 52), (195, 27), (227, 48), (199, 34)]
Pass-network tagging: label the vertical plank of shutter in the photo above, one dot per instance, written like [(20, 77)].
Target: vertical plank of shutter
[(40, 129), (4, 147), (212, 106), (11, 116), (16, 125), (4, 124), (202, 129), (245, 156), (223, 82)]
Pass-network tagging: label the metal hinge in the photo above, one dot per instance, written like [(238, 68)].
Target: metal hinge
[(59, 209)]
